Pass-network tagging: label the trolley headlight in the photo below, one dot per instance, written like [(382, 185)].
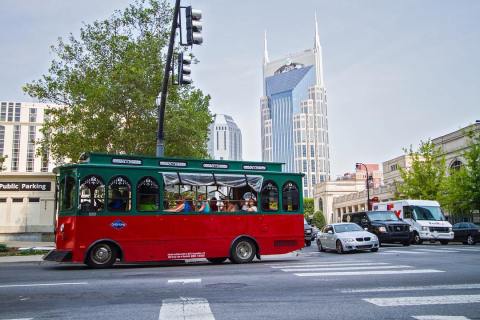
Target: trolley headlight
[(382, 229), (62, 227)]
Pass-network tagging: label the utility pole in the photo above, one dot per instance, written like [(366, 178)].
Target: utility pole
[(358, 165)]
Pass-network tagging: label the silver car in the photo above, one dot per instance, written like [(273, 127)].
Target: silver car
[(344, 237)]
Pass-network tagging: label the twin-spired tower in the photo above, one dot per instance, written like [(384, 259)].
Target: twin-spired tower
[(294, 118)]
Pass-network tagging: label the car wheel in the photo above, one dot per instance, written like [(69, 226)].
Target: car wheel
[(444, 242), (308, 243), (320, 247), (339, 247), (217, 260), (243, 251), (374, 249), (406, 243), (470, 240), (102, 255), (417, 239)]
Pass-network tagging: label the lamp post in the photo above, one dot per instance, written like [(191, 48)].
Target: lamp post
[(358, 166)]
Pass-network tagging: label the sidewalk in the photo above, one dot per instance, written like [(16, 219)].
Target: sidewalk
[(35, 258), (26, 245)]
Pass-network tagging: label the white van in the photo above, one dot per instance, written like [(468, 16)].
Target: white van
[(425, 217)]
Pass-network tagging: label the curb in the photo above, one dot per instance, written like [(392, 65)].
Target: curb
[(13, 259)]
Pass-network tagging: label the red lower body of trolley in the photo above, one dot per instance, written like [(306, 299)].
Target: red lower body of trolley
[(175, 237)]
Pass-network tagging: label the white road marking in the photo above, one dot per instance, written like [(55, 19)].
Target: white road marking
[(436, 250), (434, 317), (319, 265), (465, 249), (408, 252), (19, 319), (412, 288), (369, 272), (345, 268), (185, 309), (43, 284), (184, 281), (308, 263), (424, 300)]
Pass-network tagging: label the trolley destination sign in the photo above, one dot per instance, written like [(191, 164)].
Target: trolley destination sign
[(184, 163)]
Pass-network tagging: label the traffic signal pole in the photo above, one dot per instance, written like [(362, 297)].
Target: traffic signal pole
[(162, 97)]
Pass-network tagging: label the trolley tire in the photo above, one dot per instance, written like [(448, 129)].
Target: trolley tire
[(102, 255), (243, 251), (217, 260)]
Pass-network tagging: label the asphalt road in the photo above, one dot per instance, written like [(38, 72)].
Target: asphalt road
[(417, 282)]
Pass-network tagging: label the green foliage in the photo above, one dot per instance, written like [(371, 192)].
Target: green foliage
[(319, 219), (2, 161), (308, 207), (425, 177), (460, 194), (107, 81), (3, 247)]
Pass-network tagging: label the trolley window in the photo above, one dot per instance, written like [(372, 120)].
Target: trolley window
[(148, 198), (119, 194), (290, 197), (92, 194), (269, 196)]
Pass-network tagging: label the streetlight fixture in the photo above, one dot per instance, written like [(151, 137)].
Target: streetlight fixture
[(358, 165)]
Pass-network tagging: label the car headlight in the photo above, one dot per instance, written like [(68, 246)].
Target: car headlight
[(450, 229), (349, 240), (410, 228), (382, 229), (424, 228)]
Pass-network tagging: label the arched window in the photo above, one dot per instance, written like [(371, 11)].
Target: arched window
[(290, 197), (148, 194), (269, 195), (119, 194), (456, 165), (92, 194)]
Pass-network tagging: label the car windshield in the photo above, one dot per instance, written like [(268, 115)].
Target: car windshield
[(348, 227), (382, 216), (428, 213)]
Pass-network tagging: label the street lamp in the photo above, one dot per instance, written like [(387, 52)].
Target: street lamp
[(358, 166)]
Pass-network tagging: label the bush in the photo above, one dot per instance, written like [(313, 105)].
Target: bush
[(3, 247), (318, 219)]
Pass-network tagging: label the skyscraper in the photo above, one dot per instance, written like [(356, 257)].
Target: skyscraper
[(225, 139), (294, 122)]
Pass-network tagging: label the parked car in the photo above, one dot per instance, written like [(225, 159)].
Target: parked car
[(344, 237), (307, 231), (384, 224), (466, 232)]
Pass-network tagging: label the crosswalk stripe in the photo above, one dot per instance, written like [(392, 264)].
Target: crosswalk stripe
[(424, 300), (436, 317), (330, 265), (414, 288), (345, 268), (436, 250), (465, 249), (369, 272), (184, 281), (185, 309), (308, 263)]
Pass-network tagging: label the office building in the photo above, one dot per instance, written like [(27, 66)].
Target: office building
[(225, 139)]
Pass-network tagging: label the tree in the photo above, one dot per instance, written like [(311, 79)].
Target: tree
[(461, 190), (106, 82), (308, 207), (423, 180), (2, 161), (318, 219)]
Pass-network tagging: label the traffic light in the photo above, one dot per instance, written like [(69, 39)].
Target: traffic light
[(194, 26), (184, 69)]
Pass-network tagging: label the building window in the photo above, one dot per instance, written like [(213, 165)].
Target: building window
[(312, 151), (3, 112), (3, 200), (45, 156), (15, 147), (2, 139), (31, 148), (455, 166), (304, 150), (17, 112), (10, 112), (32, 115), (312, 166), (305, 182), (33, 199), (314, 181), (17, 199), (305, 169), (394, 167)]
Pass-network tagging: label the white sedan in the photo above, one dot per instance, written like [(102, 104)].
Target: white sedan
[(344, 237)]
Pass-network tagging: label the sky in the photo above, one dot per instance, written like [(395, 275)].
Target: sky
[(396, 72)]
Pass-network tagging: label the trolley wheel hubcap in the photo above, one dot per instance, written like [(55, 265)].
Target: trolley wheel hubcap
[(102, 255), (244, 250)]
